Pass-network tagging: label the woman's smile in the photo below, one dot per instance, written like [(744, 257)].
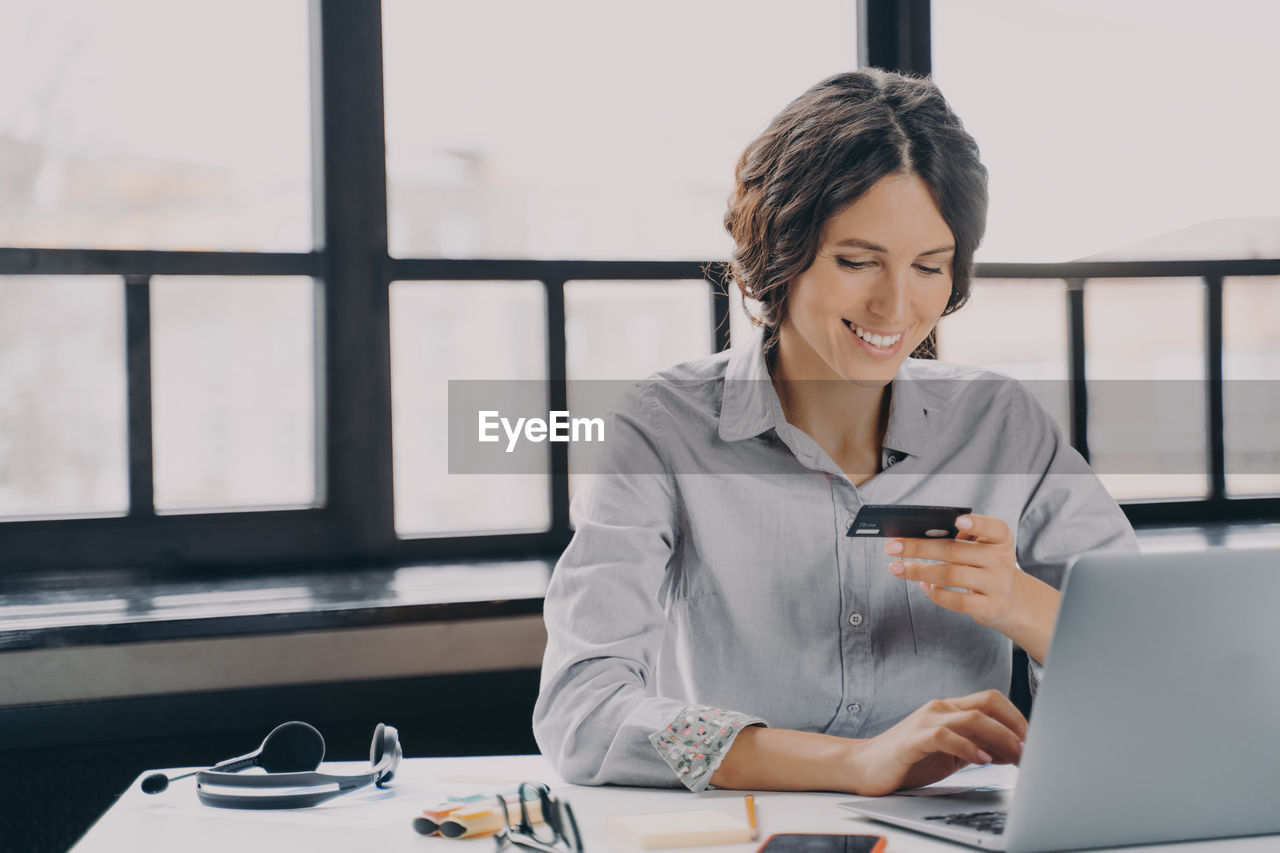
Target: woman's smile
[(876, 344)]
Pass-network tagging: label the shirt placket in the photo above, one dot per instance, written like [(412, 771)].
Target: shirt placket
[(856, 655)]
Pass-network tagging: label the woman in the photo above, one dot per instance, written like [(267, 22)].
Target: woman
[(710, 622)]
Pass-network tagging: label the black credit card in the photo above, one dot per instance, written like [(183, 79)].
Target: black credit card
[(909, 522)]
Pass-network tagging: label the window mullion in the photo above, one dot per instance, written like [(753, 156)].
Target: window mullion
[(1076, 375), (1215, 429), (557, 401), (137, 322), (349, 180)]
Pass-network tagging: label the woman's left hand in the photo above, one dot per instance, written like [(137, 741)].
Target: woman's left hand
[(981, 559)]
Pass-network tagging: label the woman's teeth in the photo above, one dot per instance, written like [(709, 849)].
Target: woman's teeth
[(882, 341)]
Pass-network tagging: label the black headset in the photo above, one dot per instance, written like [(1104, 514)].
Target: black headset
[(290, 754)]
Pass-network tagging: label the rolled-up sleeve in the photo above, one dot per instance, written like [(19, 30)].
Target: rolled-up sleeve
[(598, 717)]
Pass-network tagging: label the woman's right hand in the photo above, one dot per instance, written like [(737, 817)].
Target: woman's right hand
[(939, 738)]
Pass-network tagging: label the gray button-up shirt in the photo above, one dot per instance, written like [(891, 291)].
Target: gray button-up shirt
[(710, 566)]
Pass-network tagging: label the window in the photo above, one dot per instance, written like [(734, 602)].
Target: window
[(143, 124), (630, 329), (537, 205), (1251, 367), (1116, 127), (567, 130), (1031, 348), (1145, 363), (1129, 132), (619, 332), (579, 129), (233, 392), (63, 449), (443, 331)]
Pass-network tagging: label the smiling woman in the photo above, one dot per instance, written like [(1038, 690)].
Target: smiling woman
[(711, 621), (799, 181), (857, 311)]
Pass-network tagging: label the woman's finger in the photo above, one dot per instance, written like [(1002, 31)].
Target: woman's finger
[(997, 705), (988, 733), (944, 739), (942, 551), (943, 574), (972, 604), (983, 528)]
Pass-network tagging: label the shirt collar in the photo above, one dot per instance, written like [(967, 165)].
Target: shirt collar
[(750, 406), (909, 410)]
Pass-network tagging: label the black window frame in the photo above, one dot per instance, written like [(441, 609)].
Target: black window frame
[(353, 521)]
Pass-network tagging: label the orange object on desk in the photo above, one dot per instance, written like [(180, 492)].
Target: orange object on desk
[(471, 820)]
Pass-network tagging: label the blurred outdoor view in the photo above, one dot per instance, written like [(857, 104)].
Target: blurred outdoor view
[(575, 129)]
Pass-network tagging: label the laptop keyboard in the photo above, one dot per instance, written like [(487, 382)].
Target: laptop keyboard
[(992, 822)]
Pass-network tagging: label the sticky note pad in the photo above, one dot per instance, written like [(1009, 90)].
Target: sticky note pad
[(678, 829)]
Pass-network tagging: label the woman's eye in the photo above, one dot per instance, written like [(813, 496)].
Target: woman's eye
[(862, 265)]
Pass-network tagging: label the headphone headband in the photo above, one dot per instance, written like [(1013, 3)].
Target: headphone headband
[(257, 787)]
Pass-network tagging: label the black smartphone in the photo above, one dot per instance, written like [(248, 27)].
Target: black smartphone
[(810, 843), (910, 522)]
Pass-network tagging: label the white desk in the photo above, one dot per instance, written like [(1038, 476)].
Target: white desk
[(381, 820)]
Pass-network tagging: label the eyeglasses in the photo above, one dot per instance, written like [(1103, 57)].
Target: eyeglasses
[(562, 827)]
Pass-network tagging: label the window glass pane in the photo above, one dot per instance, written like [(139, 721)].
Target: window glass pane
[(155, 125), (580, 129), (1251, 402), (628, 331), (631, 329), (1144, 346), (233, 387), (1016, 327), (1141, 129), (443, 330), (63, 439)]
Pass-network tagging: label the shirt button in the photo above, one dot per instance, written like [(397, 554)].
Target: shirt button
[(854, 708), (855, 619)]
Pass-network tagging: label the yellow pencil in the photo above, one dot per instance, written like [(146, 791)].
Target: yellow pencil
[(751, 817)]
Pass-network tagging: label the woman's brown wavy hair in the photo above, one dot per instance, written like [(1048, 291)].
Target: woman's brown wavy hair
[(822, 153)]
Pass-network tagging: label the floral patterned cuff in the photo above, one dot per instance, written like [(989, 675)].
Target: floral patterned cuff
[(696, 741)]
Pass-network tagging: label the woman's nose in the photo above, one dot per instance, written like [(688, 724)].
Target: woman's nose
[(889, 295)]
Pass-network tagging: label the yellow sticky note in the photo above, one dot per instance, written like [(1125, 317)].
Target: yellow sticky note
[(678, 829)]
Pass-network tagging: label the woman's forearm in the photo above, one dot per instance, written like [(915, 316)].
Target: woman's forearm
[(1032, 624), (788, 760), (929, 744)]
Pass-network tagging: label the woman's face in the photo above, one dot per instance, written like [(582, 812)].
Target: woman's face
[(878, 284)]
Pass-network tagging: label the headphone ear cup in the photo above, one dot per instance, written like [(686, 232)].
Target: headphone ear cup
[(384, 753), (377, 748), (294, 747)]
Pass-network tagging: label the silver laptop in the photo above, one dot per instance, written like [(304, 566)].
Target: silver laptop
[(1158, 719)]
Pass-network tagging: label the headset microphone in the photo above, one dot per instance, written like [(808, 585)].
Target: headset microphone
[(157, 782), (289, 748)]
